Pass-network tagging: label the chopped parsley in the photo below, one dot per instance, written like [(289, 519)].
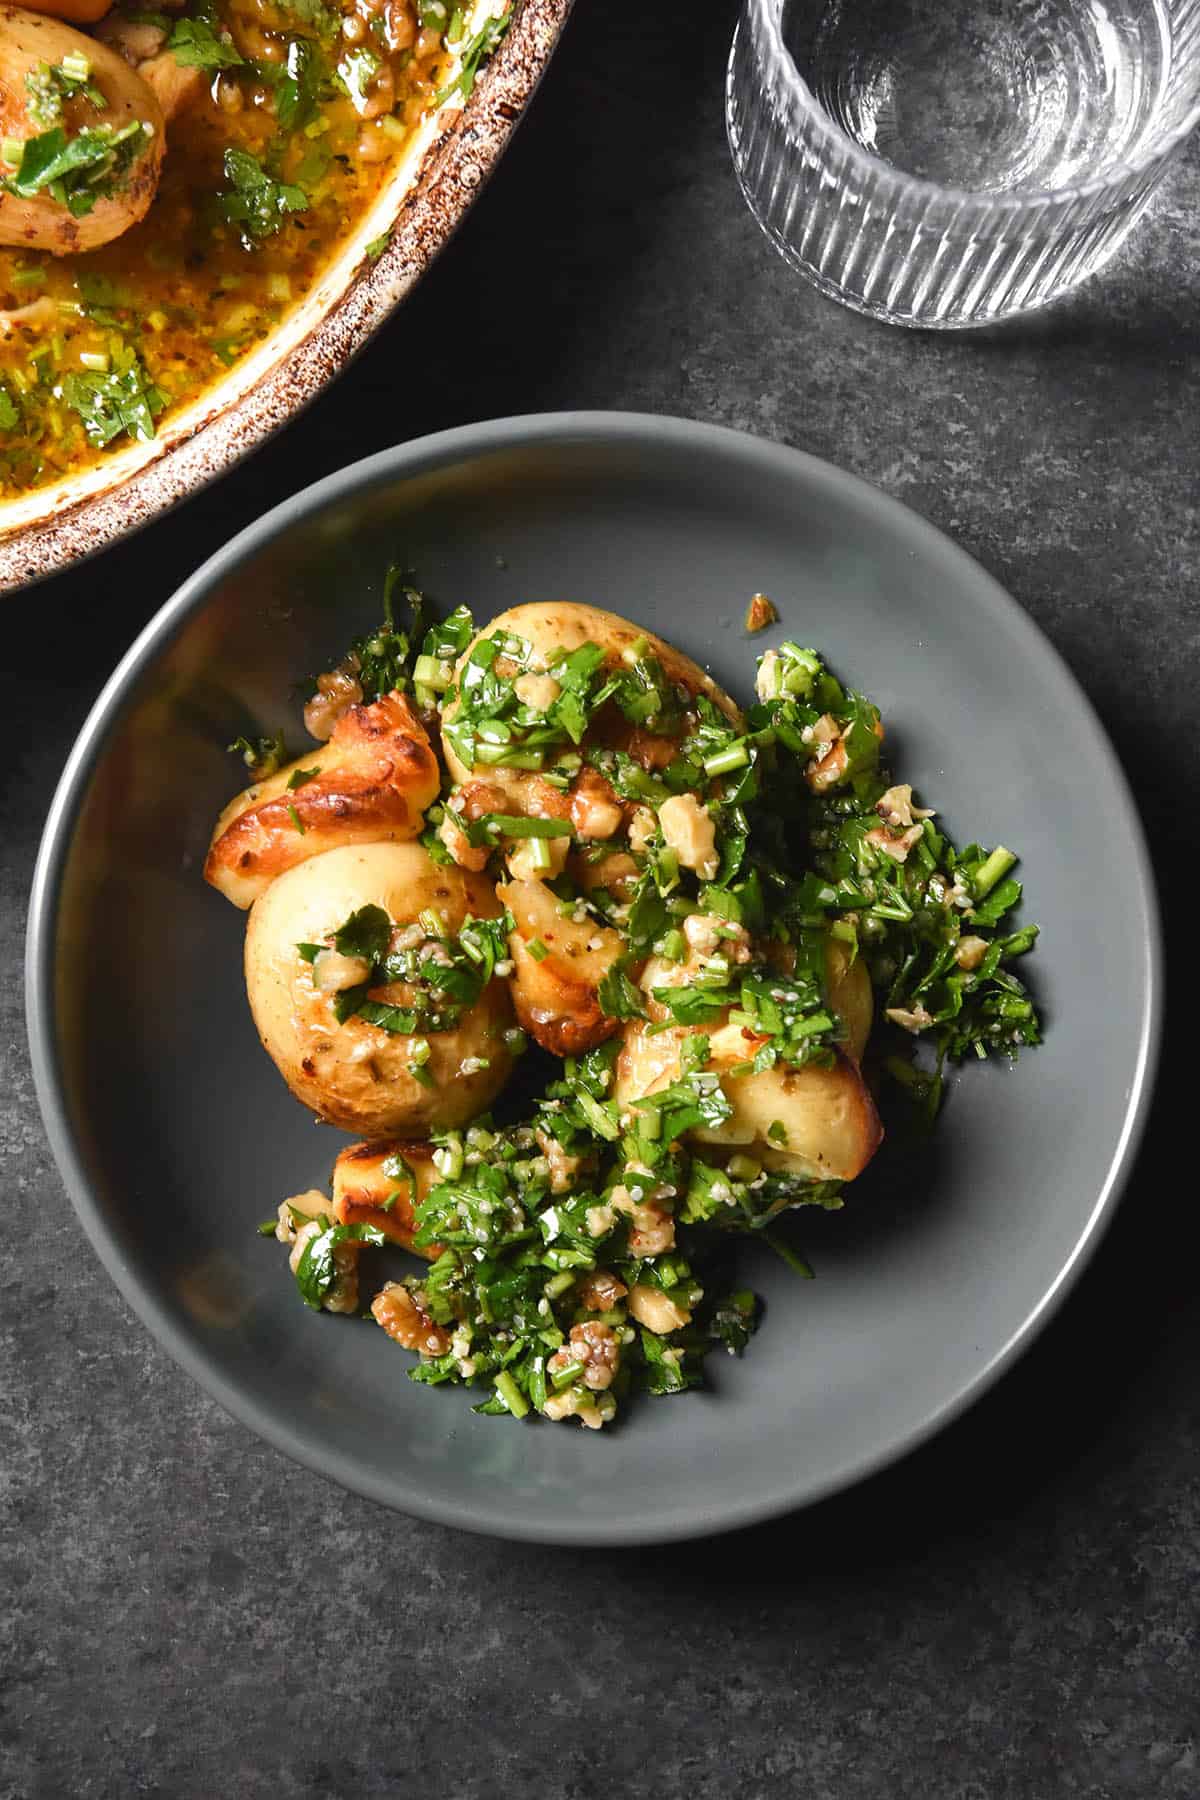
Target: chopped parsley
[(262, 756), (356, 72), (443, 974), (118, 401), (200, 42), (48, 86), (472, 54), (76, 171), (300, 86), (255, 203)]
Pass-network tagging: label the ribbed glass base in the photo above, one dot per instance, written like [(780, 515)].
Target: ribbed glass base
[(1031, 103)]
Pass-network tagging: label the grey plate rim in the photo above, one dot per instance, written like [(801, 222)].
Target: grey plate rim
[(418, 457)]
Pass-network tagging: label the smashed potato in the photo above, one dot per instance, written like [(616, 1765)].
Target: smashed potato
[(367, 1079), (371, 783)]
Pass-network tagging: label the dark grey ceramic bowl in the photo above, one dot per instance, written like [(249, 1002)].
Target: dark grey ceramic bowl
[(175, 1135)]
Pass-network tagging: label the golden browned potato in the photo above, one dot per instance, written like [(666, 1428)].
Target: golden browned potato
[(831, 1127), (556, 998), (556, 625), (829, 1118), (29, 39), (358, 1075), (373, 781), (372, 1186)]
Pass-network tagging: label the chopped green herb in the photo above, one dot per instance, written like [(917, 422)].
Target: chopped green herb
[(301, 86), (317, 1271), (199, 42), (255, 203), (356, 72), (118, 401), (77, 171), (262, 756), (299, 777), (472, 56), (49, 85)]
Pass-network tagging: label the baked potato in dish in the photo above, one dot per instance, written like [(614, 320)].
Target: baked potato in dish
[(125, 105), (357, 1074), (370, 783)]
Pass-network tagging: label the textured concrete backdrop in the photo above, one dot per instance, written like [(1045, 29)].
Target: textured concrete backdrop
[(1011, 1613)]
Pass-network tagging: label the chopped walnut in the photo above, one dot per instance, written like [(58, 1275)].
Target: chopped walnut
[(896, 809), (895, 847), (652, 1230), (310, 1203), (596, 812), (538, 692), (333, 972), (643, 827), (600, 1290), (596, 1347), (465, 854), (829, 766), (402, 1314), (336, 693), (915, 1020), (689, 830), (760, 613), (765, 679), (656, 1310), (573, 1405), (706, 933), (563, 1168), (522, 865), (971, 952)]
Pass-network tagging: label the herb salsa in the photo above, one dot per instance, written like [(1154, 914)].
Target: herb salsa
[(643, 979)]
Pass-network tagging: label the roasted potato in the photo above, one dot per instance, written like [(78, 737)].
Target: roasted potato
[(827, 1113), (358, 1075), (374, 779), (831, 1125), (559, 625), (556, 998), (366, 1192)]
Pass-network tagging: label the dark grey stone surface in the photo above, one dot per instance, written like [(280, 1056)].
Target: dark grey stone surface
[(1009, 1614)]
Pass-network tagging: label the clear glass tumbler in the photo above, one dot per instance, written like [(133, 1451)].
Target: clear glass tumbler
[(950, 162)]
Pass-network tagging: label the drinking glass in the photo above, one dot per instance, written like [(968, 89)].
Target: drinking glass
[(950, 162)]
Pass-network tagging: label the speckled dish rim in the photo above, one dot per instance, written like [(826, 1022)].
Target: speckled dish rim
[(421, 457), (423, 202)]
